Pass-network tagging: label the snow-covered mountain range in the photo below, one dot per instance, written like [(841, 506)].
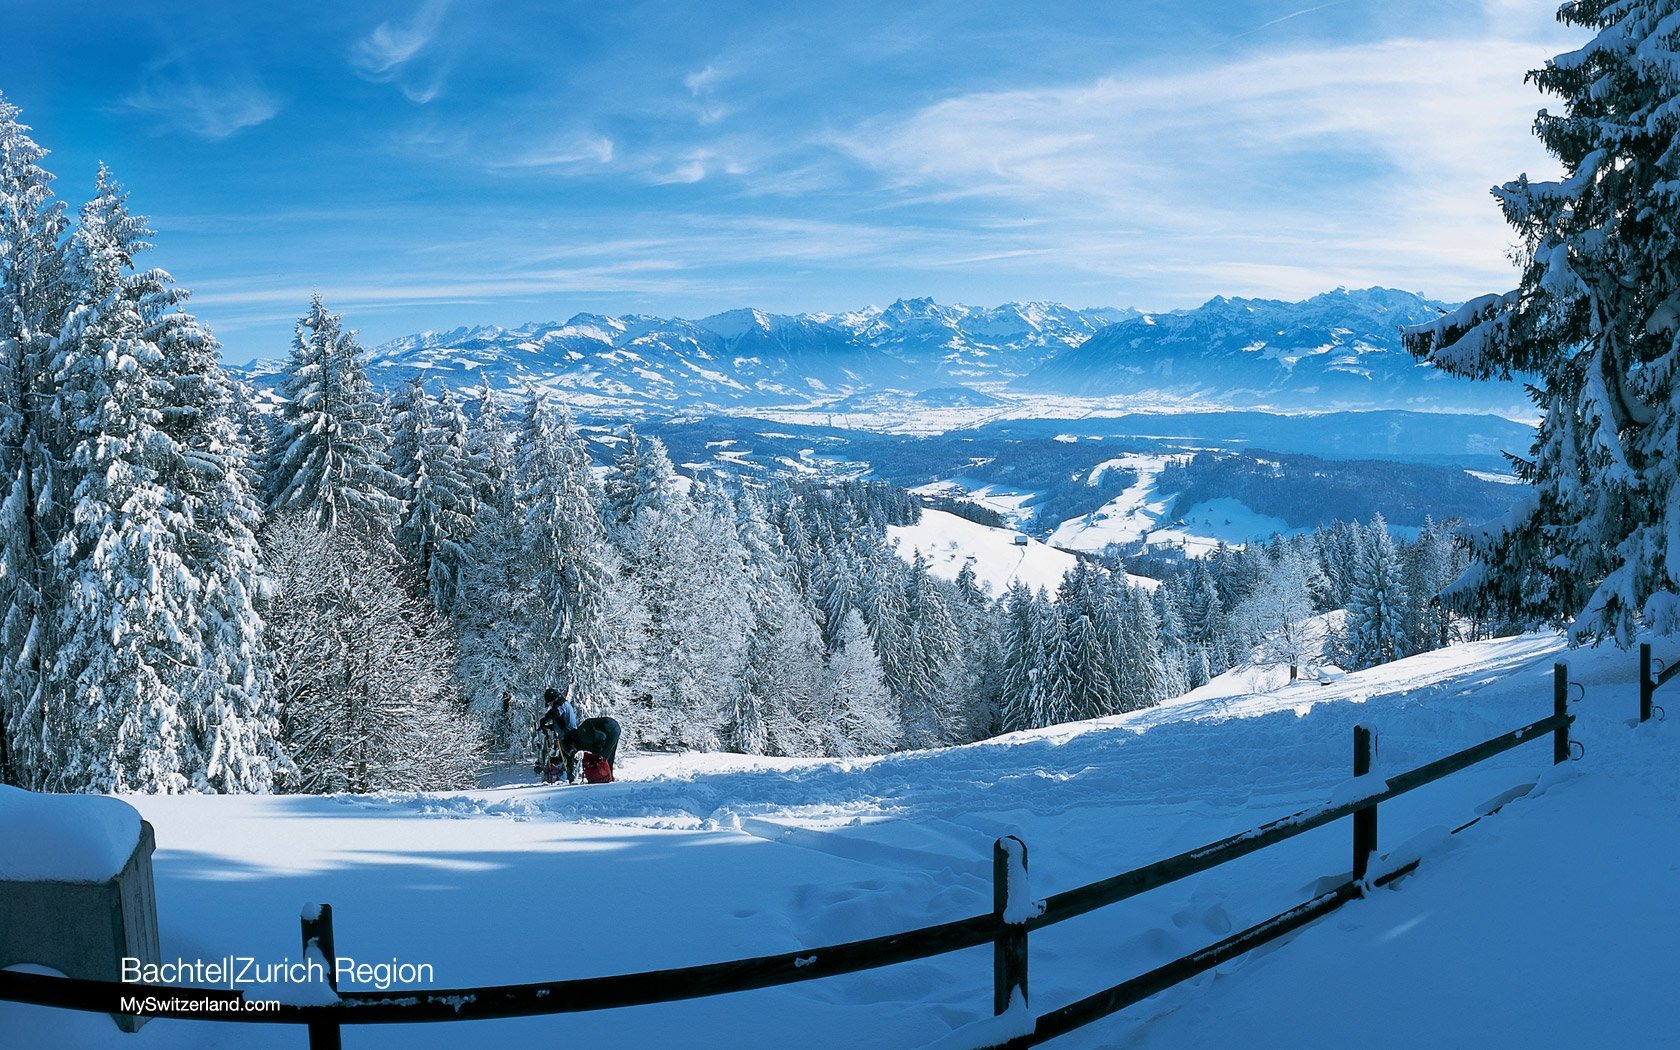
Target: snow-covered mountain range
[(749, 357), (1338, 350)]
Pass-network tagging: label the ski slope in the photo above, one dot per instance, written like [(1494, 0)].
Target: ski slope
[(1547, 924)]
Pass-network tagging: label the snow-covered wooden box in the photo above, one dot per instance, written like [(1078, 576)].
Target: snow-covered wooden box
[(76, 890)]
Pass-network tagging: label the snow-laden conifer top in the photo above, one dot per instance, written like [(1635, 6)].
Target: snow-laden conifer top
[(64, 838)]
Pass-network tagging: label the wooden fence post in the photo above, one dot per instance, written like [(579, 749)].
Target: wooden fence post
[(1560, 709), (1010, 904), (1365, 820), (1646, 686), (316, 921)]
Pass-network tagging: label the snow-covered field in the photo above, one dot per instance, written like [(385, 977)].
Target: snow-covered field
[(1551, 923), (949, 541), (1142, 512), (1012, 504)]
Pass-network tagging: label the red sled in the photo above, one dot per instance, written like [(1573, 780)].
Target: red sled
[(596, 770)]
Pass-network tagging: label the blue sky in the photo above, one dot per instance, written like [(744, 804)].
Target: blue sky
[(434, 163)]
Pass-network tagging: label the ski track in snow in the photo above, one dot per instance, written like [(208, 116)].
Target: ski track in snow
[(697, 858)]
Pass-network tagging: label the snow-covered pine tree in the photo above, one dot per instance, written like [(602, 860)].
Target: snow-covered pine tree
[(161, 669), (411, 415), (978, 666), (492, 605), (783, 681), (1086, 660), (1595, 320), (330, 457), (232, 707), (1377, 613), (746, 731), (1062, 683), (1430, 563), (931, 710), (1140, 674), (32, 304), (455, 484), (838, 583), (882, 605), (1175, 646), (1306, 550), (126, 624), (1206, 620), (802, 559), (640, 478), (862, 718), (684, 566), (251, 434), (717, 617), (566, 558), (1338, 547), (431, 457), (1020, 703)]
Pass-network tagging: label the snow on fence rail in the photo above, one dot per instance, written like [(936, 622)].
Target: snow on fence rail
[(1014, 915)]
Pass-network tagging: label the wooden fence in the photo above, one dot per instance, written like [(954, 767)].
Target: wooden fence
[(1014, 916)]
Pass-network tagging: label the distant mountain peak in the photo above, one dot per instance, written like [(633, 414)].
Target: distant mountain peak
[(732, 324)]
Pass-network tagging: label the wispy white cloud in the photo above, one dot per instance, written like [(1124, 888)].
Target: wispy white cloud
[(700, 80), (387, 53), (694, 165), (425, 91), (702, 86), (690, 169), (1269, 173), (567, 152), (179, 99)]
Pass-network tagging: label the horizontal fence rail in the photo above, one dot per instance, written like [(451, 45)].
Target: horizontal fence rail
[(1006, 927), (527, 1000), (1070, 903)]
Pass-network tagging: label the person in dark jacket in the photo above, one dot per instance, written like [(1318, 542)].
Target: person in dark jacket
[(557, 718)]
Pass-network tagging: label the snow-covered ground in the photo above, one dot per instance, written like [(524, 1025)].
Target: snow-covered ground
[(949, 541), (1142, 512), (1011, 504), (1551, 923)]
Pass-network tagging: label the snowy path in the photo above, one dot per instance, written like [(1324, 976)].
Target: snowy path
[(695, 858)]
